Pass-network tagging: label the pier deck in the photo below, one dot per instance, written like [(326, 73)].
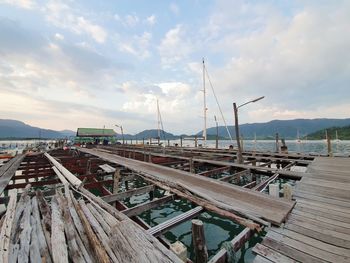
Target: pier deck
[(233, 197), (318, 228)]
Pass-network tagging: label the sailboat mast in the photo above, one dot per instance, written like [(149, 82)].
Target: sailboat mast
[(204, 106)]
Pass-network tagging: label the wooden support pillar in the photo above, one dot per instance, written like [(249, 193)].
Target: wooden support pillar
[(191, 165), (143, 141), (116, 178), (195, 141), (144, 156), (277, 143), (181, 141), (199, 244), (168, 142), (126, 183), (150, 141), (287, 191), (149, 157), (131, 141), (158, 140)]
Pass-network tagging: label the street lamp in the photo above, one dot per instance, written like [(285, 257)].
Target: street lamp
[(235, 109), (121, 129)]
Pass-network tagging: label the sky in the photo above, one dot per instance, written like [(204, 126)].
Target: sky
[(69, 64)]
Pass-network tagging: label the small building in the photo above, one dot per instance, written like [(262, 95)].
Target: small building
[(95, 135)]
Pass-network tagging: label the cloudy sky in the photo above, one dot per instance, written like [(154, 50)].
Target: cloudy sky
[(86, 63)]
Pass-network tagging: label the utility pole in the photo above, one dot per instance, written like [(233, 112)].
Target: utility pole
[(204, 107), (239, 152)]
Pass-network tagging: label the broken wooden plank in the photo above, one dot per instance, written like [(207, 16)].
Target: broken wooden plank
[(127, 194), (271, 254), (8, 170), (167, 225), (138, 209)]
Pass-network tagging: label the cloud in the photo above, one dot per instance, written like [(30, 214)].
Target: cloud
[(138, 45), (174, 47), (27, 4), (151, 20), (58, 36), (174, 8), (63, 16)]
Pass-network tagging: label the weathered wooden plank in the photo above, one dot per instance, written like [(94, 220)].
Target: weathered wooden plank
[(6, 228), (271, 254), (127, 194), (8, 170), (100, 254), (234, 176), (34, 254), (58, 240), (138, 209), (167, 225), (290, 251), (321, 219), (260, 259), (215, 171), (343, 217), (301, 195), (309, 248)]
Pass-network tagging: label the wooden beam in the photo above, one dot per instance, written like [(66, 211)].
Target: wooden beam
[(236, 243), (138, 209), (234, 176), (249, 185), (123, 195), (8, 170), (215, 171), (167, 225)]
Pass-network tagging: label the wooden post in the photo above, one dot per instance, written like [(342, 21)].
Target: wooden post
[(198, 239), (150, 141), (149, 157), (329, 146), (158, 140), (277, 143), (168, 142), (143, 141), (181, 141), (195, 141), (191, 165), (116, 178), (287, 191), (131, 141)]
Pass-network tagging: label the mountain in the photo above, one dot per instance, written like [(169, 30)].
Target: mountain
[(17, 129), (287, 129), (153, 133), (343, 133)]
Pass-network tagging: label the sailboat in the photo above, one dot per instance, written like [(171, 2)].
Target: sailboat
[(336, 137)]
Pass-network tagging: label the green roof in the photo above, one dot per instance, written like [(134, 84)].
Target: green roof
[(94, 132)]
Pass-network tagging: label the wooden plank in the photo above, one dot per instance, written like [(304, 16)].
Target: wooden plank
[(327, 200), (324, 212), (324, 235), (307, 245), (235, 176), (226, 196), (290, 251), (320, 218), (138, 209), (316, 204), (6, 227), (8, 170), (271, 254), (58, 240), (167, 225), (327, 191), (127, 194), (215, 171)]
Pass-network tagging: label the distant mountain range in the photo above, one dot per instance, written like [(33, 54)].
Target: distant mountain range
[(343, 133), (287, 129), (12, 129)]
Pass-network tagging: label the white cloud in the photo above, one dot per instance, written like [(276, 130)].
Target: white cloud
[(131, 20), (174, 8), (151, 20), (58, 36), (27, 4), (61, 15), (138, 45), (174, 46)]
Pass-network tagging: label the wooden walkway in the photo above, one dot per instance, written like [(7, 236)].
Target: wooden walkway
[(318, 228), (232, 197)]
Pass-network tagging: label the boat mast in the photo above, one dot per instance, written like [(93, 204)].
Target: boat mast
[(204, 107)]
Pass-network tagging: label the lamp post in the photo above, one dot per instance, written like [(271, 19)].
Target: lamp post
[(235, 110), (121, 129)]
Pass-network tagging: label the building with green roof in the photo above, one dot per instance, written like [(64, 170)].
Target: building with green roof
[(95, 135)]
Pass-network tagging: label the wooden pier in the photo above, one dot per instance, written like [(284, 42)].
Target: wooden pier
[(314, 227), (318, 228)]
